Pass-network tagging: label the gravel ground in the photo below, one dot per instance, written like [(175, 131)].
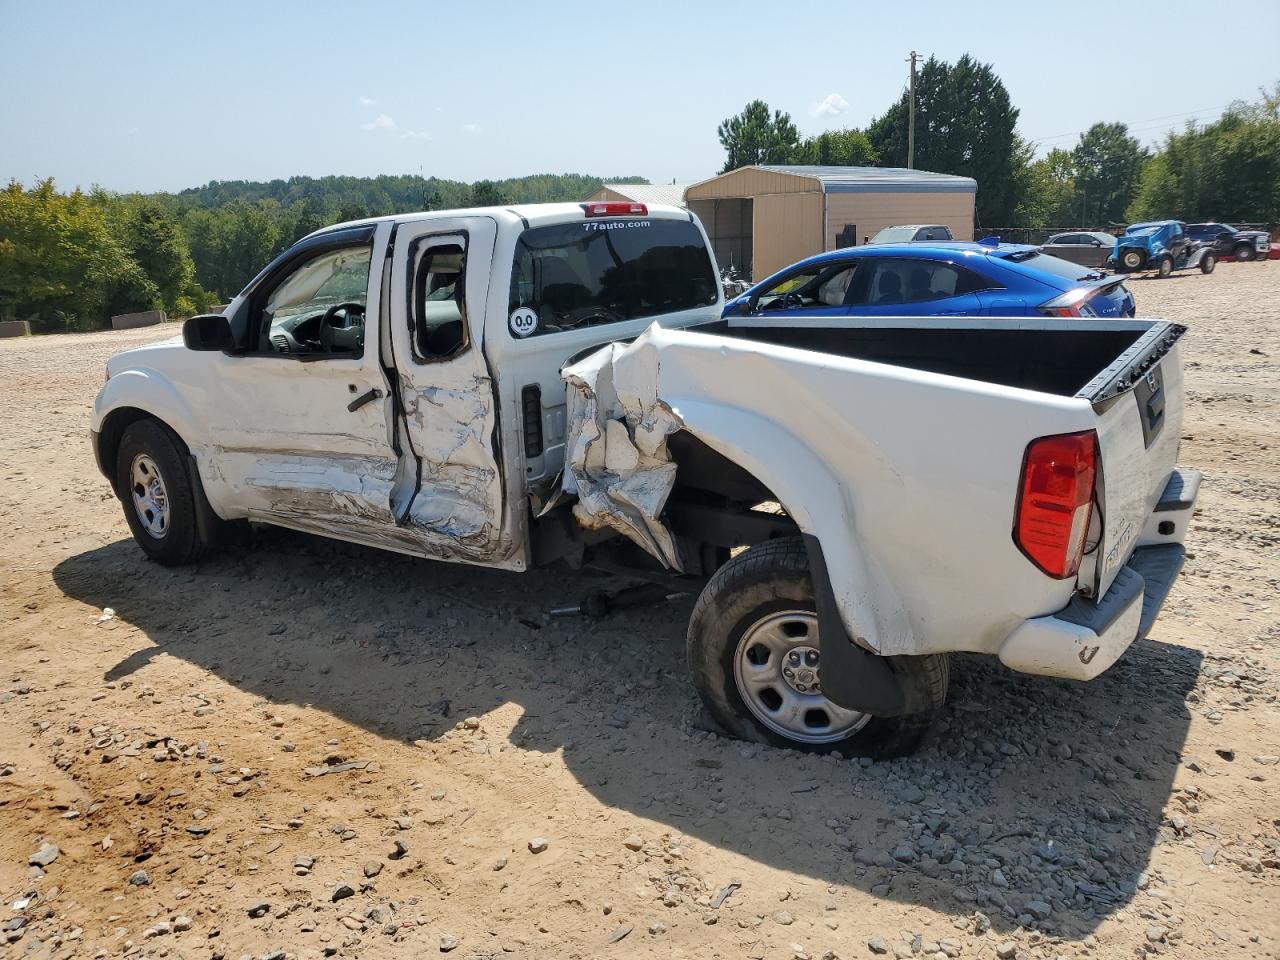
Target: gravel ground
[(306, 749)]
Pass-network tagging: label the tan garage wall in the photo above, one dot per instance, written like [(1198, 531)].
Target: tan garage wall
[(787, 228), (872, 212)]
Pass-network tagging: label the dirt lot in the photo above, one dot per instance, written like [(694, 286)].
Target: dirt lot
[(181, 752)]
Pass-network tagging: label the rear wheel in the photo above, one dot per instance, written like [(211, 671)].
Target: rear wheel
[(1165, 267), (160, 501), (1131, 259), (756, 658), (1243, 252), (1208, 263)]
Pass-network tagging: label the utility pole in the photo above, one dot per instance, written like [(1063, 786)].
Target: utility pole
[(911, 113)]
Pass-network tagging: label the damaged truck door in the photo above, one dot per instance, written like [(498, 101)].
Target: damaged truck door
[(441, 278)]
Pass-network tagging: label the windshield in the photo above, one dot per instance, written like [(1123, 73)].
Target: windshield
[(341, 276), (895, 235), (580, 274)]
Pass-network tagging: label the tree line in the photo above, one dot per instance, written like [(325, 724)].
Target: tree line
[(71, 261), (967, 125)]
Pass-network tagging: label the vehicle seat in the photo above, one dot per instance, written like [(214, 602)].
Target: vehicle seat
[(834, 290), (920, 288), (561, 289), (889, 288)]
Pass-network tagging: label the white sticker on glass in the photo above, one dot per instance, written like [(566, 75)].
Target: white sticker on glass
[(523, 321)]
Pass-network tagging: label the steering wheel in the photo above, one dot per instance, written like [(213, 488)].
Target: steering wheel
[(328, 342)]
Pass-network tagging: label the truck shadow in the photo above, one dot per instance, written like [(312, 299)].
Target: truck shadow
[(1035, 794)]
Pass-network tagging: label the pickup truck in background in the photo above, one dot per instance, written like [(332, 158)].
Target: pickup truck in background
[(553, 384)]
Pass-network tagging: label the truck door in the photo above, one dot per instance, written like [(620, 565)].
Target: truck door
[(299, 422), (447, 404)]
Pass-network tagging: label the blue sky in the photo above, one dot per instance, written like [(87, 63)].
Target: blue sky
[(161, 96)]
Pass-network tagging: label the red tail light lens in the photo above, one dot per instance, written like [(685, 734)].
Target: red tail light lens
[(1055, 501), (614, 208)]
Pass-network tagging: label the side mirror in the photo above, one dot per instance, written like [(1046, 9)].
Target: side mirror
[(1097, 243), (209, 331), (739, 308)]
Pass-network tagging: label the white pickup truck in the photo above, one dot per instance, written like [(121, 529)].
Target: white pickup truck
[(856, 498)]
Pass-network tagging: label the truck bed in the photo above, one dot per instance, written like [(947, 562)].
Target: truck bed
[(1049, 355)]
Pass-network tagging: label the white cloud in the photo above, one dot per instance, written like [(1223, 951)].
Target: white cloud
[(832, 105), (367, 101), (380, 122), (471, 127), (415, 135)]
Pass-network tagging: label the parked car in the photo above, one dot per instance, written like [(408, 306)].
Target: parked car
[(1229, 241), (913, 233), (1163, 246), (938, 279), (1089, 248), (405, 383)]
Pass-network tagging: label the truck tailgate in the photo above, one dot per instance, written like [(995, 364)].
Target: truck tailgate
[(1138, 400)]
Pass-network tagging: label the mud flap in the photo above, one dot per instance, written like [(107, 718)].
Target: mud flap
[(852, 677)]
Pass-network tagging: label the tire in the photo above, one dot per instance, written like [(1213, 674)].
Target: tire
[(767, 592), (1243, 253), (1131, 259), (1165, 267), (1208, 263), (160, 502)]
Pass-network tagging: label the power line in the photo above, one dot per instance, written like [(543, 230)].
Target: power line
[(1136, 125)]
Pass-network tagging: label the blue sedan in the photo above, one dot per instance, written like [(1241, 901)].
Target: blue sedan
[(938, 279)]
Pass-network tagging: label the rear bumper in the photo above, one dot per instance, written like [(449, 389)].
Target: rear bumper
[(1084, 638)]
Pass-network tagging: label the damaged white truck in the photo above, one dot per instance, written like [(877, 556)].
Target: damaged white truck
[(855, 497)]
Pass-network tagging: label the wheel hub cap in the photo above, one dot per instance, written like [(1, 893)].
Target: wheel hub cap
[(150, 499), (777, 669)]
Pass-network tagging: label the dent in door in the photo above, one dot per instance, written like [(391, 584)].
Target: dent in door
[(460, 493)]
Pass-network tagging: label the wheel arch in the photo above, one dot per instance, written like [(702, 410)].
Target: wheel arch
[(133, 395), (816, 501)]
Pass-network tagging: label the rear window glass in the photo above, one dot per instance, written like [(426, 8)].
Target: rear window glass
[(573, 275), (1054, 265)]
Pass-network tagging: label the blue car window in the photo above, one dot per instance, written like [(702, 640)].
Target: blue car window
[(815, 287), (917, 281)]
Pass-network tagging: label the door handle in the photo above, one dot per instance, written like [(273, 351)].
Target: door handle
[(373, 394)]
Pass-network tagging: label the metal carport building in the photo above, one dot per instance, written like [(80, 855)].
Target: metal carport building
[(762, 218)]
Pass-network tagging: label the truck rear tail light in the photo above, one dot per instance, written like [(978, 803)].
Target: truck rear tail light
[(1055, 501), (614, 208)]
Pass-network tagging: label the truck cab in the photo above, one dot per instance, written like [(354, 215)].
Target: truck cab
[(396, 381)]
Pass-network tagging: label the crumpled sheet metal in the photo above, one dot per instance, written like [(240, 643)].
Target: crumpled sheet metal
[(617, 461)]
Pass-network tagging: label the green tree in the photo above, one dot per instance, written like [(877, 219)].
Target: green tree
[(965, 125), (1226, 170), (60, 266), (1046, 193), (1108, 169), (755, 136), (486, 193), (839, 148)]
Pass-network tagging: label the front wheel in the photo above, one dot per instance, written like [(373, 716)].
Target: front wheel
[(1208, 263), (756, 658), (1243, 253), (160, 501), (1165, 268)]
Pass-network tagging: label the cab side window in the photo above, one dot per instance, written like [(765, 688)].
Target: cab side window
[(318, 308), (438, 319)]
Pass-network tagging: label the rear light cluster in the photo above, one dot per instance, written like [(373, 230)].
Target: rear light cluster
[(614, 208), (1055, 501)]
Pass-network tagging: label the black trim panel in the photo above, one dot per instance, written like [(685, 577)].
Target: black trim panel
[(1180, 492)]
